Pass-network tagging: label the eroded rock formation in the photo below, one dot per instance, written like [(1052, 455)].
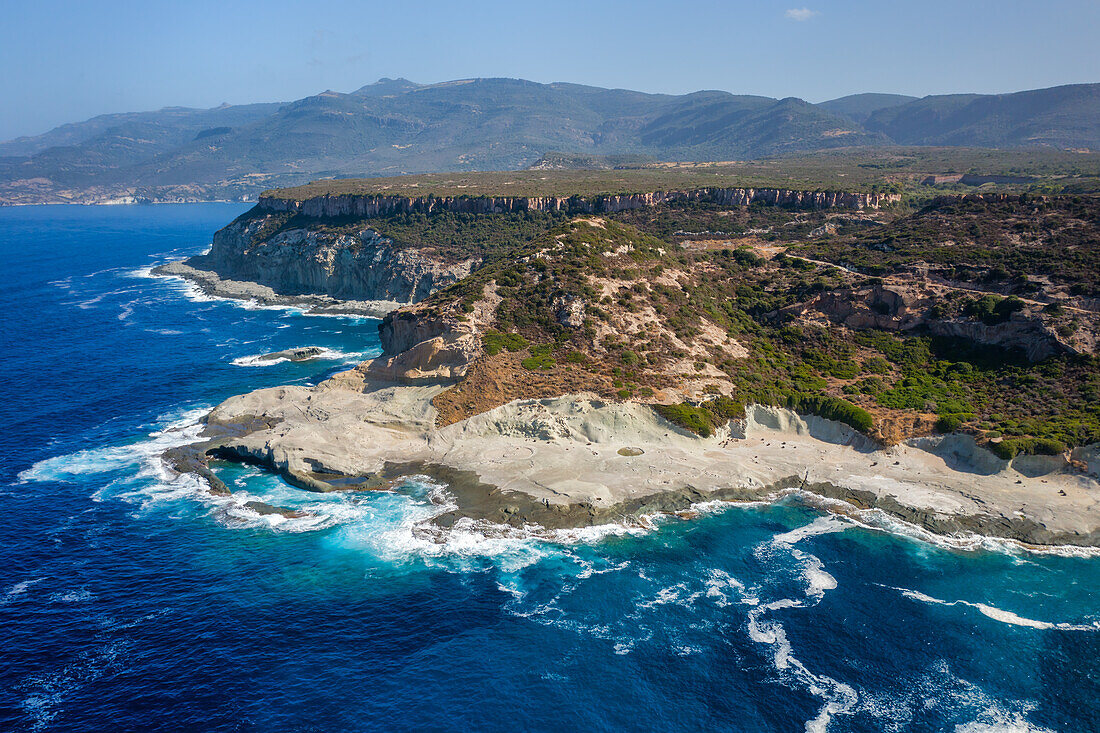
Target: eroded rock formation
[(361, 266), (380, 205)]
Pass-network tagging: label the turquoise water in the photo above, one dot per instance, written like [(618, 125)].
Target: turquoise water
[(130, 600)]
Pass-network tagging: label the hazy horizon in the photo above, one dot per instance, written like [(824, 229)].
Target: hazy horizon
[(86, 61)]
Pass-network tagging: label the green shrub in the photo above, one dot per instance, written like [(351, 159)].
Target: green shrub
[(494, 342), (876, 365), (831, 408), (948, 423), (688, 417), (541, 361), (705, 417), (724, 409), (747, 258), (844, 369), (992, 310), (1009, 448)]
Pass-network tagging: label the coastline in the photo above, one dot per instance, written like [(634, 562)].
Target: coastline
[(213, 285), (574, 461), (147, 359), (578, 460)]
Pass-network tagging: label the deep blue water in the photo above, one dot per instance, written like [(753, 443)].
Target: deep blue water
[(132, 601)]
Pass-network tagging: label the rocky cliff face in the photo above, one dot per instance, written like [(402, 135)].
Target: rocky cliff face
[(379, 205), (907, 307), (362, 266), (421, 343), (367, 266)]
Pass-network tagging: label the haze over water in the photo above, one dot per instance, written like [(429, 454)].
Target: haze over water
[(131, 600)]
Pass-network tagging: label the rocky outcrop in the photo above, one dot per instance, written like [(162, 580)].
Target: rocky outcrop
[(420, 344), (304, 353), (401, 330), (906, 307), (570, 311), (368, 205), (363, 266), (575, 461)]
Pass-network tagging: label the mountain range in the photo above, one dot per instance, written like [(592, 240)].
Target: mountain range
[(395, 126)]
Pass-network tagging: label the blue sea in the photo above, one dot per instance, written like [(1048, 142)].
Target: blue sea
[(131, 600)]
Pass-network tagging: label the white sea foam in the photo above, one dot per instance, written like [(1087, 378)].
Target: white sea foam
[(96, 300), (999, 614), (263, 360), (50, 690), (997, 720), (971, 542), (822, 525), (17, 590), (677, 594), (258, 360), (719, 584), (817, 580), (182, 285), (401, 532), (196, 294), (876, 519), (588, 569), (837, 697), (143, 479), (73, 596), (717, 506), (178, 429), (145, 273)]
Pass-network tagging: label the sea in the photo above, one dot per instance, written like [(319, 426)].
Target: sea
[(131, 600)]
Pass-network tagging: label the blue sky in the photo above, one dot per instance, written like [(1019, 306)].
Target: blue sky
[(66, 61)]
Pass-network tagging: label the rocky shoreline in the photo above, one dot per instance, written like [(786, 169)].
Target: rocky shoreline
[(213, 285), (574, 459), (544, 465)]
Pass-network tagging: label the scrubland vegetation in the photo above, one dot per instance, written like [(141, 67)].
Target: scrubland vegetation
[(695, 308)]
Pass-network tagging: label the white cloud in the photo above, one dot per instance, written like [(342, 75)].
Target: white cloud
[(800, 14)]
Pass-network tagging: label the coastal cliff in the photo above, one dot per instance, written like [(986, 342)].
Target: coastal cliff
[(327, 246), (372, 205), (675, 356), (362, 265)]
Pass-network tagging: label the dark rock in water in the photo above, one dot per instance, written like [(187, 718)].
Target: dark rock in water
[(303, 354), (264, 509), (191, 459)]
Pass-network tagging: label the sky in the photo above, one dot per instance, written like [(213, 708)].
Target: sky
[(68, 61)]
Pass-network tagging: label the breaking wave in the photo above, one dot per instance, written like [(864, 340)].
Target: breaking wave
[(999, 614), (325, 354)]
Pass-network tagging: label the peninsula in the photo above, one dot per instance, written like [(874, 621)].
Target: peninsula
[(569, 348)]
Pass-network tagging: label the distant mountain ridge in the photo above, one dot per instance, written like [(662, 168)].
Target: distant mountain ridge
[(396, 126), (1061, 117), (858, 107)]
